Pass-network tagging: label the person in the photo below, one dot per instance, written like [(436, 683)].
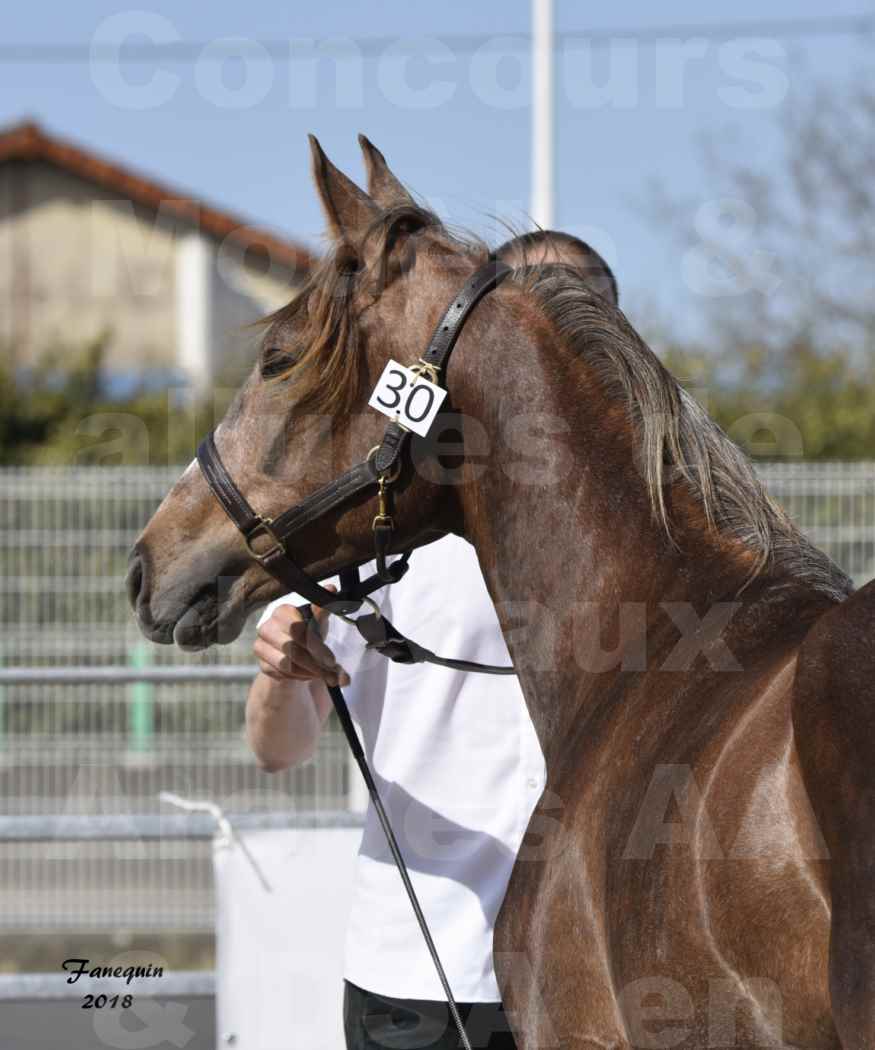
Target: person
[(459, 769), (455, 758)]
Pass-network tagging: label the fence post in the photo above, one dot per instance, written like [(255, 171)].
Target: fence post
[(142, 701)]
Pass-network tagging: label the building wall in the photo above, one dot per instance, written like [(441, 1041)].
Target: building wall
[(75, 265)]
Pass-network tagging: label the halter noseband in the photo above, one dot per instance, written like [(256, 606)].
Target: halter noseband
[(266, 539)]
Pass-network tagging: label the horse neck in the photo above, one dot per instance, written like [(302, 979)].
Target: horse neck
[(569, 545)]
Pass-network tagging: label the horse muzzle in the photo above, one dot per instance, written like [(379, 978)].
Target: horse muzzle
[(194, 620)]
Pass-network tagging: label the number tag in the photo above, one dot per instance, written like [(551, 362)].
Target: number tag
[(403, 395)]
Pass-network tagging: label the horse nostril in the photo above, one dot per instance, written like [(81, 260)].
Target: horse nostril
[(134, 579)]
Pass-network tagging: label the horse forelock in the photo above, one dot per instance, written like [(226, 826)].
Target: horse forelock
[(322, 320)]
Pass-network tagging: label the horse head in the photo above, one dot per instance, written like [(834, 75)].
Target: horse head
[(301, 417)]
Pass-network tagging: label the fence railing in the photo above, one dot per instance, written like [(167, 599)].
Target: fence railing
[(195, 827), (834, 505), (101, 745), (94, 740), (84, 844)]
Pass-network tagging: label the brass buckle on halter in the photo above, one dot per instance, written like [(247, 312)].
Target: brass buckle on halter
[(263, 527), (383, 519)]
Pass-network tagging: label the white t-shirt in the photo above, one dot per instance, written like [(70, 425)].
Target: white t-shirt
[(459, 768)]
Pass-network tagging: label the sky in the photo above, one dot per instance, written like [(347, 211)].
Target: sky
[(444, 90)]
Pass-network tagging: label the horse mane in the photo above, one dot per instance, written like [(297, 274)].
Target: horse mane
[(678, 441)]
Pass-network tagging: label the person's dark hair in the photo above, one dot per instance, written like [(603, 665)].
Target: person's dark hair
[(543, 247)]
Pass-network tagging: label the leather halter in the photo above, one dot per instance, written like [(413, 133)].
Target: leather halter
[(267, 539)]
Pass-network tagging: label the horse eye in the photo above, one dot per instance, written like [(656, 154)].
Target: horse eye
[(347, 262), (275, 361)]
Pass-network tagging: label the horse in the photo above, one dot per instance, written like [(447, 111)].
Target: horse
[(698, 871)]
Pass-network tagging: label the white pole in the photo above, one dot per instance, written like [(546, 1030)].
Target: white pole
[(194, 310), (542, 113)]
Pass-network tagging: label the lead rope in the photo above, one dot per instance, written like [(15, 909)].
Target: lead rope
[(340, 706), (352, 738)]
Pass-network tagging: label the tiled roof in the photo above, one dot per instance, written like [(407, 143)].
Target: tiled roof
[(29, 142)]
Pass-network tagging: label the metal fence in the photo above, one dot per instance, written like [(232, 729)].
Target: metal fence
[(834, 504), (101, 870), (99, 748), (64, 541)]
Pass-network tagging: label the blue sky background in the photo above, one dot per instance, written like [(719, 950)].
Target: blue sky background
[(468, 156)]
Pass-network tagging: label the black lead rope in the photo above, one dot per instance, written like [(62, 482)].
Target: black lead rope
[(381, 635), (352, 739), (337, 698)]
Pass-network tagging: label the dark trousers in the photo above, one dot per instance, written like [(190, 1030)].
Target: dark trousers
[(379, 1022)]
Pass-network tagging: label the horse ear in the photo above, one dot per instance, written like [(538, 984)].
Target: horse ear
[(349, 211), (383, 186)]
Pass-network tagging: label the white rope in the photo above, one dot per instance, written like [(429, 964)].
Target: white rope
[(227, 834)]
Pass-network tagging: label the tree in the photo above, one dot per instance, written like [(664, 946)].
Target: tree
[(788, 255), (65, 415)]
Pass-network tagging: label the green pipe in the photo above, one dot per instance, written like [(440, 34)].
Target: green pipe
[(141, 710)]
